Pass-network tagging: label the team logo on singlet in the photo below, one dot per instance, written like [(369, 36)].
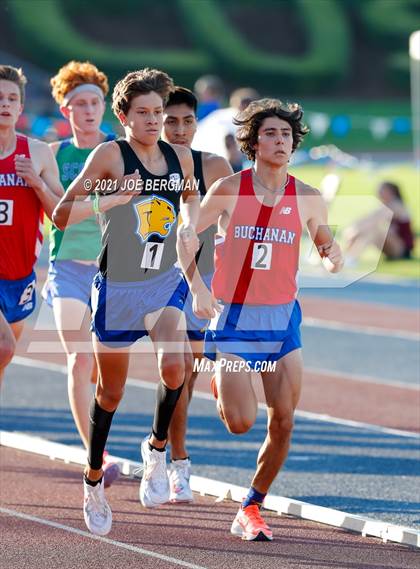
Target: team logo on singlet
[(156, 217), (11, 180), (26, 296)]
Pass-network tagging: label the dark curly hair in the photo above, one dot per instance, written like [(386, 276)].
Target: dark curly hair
[(250, 120), (140, 83)]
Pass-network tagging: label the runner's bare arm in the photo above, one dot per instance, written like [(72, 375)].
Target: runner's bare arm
[(190, 201), (40, 172), (322, 235), (103, 164), (214, 168), (217, 201), (204, 303)]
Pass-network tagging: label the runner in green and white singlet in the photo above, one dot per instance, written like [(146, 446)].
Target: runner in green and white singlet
[(80, 90)]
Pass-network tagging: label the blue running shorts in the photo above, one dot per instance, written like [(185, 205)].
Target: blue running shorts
[(18, 298), (69, 279), (255, 333), (119, 308)]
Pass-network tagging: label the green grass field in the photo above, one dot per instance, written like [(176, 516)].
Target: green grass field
[(356, 197)]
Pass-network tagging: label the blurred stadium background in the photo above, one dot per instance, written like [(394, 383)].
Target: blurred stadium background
[(345, 61)]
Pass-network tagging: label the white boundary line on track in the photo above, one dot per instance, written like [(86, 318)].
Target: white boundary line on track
[(29, 362), (106, 540), (358, 329), (222, 491)]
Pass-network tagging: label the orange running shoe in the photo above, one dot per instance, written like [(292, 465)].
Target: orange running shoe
[(249, 525)]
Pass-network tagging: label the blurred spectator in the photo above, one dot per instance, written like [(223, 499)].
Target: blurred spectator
[(210, 92), (329, 186), (212, 132), (234, 155), (388, 228)]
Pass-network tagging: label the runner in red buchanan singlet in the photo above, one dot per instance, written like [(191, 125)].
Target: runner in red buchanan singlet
[(29, 185), (260, 214)]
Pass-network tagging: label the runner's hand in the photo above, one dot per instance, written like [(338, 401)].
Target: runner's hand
[(25, 169), (205, 304), (332, 256), (130, 187)]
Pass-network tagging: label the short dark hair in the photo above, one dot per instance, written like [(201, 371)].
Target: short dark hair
[(15, 75), (182, 96), (140, 83), (250, 120)]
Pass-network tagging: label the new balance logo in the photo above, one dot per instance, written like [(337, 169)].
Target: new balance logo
[(286, 210)]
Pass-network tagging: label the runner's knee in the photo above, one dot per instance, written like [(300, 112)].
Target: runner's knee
[(7, 350), (109, 397), (80, 365), (281, 427), (172, 370), (236, 423)]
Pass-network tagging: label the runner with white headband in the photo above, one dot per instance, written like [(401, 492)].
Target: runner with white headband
[(79, 89)]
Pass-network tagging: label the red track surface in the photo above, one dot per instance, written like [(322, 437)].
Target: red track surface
[(368, 402), (361, 314), (197, 533)]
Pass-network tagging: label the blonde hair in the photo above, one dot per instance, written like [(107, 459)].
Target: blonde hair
[(77, 73)]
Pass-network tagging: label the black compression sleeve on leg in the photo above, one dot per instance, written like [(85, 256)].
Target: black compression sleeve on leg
[(166, 400), (99, 425)]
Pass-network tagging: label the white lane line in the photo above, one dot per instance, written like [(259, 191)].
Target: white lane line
[(360, 329), (28, 362), (106, 540), (225, 491)]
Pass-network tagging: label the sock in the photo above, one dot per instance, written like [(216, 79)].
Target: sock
[(151, 447), (176, 459), (253, 497), (86, 479), (166, 400), (100, 423)]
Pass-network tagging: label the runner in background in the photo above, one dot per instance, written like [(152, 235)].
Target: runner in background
[(179, 127), (29, 185), (80, 90)]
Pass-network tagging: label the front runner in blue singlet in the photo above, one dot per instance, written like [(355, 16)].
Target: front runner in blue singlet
[(138, 290), (80, 90), (179, 127)]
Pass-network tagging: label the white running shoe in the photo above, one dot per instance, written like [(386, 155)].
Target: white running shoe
[(154, 485), (179, 481), (97, 513)]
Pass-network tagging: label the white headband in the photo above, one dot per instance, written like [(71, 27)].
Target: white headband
[(82, 89)]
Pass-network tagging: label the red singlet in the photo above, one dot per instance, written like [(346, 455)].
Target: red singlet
[(21, 219), (257, 261)]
